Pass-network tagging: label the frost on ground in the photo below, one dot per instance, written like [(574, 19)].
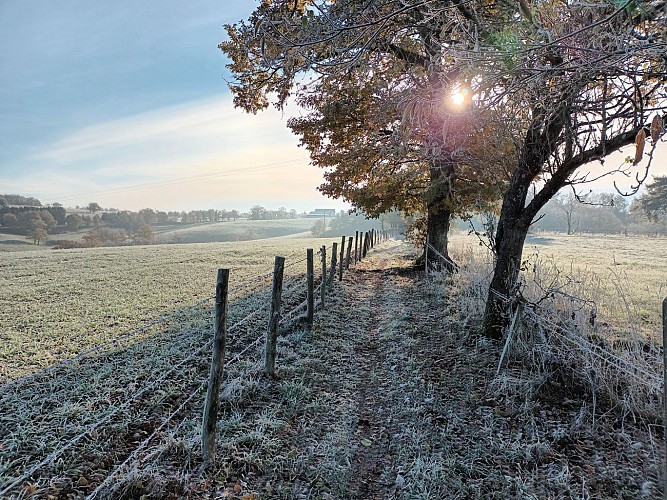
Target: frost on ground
[(391, 395)]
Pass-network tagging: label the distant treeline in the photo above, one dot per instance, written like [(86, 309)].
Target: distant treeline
[(108, 227), (605, 213), (17, 199), (601, 213)]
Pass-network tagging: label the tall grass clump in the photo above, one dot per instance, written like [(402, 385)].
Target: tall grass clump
[(576, 335)]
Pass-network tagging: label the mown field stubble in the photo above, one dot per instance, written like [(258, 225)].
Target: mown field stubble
[(391, 395)]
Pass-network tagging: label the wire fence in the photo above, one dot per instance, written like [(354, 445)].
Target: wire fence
[(249, 314)]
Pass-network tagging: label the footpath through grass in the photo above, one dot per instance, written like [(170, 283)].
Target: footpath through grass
[(391, 395)]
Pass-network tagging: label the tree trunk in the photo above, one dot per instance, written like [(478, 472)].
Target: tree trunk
[(437, 227), (513, 224), (439, 215), (505, 276)]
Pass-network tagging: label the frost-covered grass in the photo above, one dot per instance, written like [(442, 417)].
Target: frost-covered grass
[(626, 277), (390, 395), (56, 304), (73, 421)]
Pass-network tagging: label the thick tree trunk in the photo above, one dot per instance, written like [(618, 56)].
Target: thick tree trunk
[(439, 215), (437, 227), (505, 276), (513, 224)]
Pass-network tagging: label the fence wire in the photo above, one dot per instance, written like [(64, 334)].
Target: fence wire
[(248, 287)]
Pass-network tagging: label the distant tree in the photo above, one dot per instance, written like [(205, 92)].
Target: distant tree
[(37, 235), (145, 235), (568, 204), (234, 214), (36, 228), (147, 216), (56, 204), (58, 213), (3, 202), (162, 217), (94, 207), (73, 222), (318, 228), (50, 222), (96, 220), (17, 199), (654, 201), (10, 220), (258, 212), (293, 214)]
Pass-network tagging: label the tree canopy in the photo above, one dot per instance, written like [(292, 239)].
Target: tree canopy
[(545, 89), (378, 118)]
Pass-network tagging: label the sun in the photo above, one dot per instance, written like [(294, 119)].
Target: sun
[(458, 98), (460, 95)]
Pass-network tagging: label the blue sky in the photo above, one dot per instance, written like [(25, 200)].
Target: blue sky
[(125, 103)]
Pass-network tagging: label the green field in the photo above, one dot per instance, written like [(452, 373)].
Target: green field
[(238, 230)]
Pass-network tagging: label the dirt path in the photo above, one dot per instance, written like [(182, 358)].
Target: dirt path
[(392, 396)]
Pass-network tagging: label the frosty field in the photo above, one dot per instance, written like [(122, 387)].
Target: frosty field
[(58, 303)]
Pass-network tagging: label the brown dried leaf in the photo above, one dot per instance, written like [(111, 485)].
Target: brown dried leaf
[(656, 128), (640, 141)]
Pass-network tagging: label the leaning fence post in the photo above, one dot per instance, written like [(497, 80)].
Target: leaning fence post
[(664, 389), (341, 262), (363, 254), (310, 284), (274, 319), (349, 250), (323, 285), (210, 419)]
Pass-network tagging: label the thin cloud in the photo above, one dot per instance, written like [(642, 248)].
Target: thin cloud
[(211, 120)]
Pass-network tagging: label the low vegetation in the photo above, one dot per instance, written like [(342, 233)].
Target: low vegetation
[(391, 395)]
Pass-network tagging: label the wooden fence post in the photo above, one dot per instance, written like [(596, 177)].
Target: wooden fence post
[(365, 245), (334, 256), (349, 250), (274, 318), (342, 259), (210, 419), (664, 390), (310, 283), (356, 246), (323, 285)]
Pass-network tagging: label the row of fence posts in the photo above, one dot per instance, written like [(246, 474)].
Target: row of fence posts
[(340, 261)]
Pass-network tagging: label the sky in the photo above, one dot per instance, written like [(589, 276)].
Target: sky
[(126, 104)]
